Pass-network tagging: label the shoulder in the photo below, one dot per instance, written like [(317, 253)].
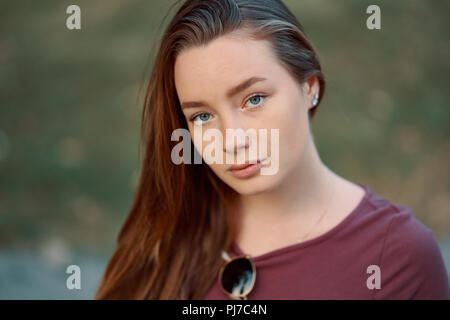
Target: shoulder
[(408, 238), (411, 262)]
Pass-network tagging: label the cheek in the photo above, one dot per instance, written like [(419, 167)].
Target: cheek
[(210, 146), (197, 140), (196, 144), (293, 127)]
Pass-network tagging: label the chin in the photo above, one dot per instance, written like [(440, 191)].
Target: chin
[(253, 185)]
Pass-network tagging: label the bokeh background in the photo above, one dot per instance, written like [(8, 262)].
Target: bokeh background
[(70, 105)]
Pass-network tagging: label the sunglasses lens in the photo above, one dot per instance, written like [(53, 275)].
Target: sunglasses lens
[(237, 277)]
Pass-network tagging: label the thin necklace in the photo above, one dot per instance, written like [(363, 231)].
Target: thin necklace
[(323, 214), (227, 257)]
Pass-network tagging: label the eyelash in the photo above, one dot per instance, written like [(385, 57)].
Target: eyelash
[(263, 96)]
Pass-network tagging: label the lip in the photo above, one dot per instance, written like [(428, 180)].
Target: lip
[(245, 170), (242, 166)]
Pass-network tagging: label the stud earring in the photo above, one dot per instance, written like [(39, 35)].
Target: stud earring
[(315, 100)]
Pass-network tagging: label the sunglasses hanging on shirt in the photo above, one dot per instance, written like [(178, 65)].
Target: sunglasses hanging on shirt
[(237, 276)]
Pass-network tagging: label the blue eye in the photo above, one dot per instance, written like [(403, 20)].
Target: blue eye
[(200, 118), (255, 100)]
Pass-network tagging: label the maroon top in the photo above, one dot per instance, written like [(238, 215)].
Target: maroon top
[(334, 265)]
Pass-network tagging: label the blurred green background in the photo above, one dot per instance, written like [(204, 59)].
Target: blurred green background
[(70, 104)]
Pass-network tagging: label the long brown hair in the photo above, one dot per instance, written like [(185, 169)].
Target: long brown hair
[(183, 216)]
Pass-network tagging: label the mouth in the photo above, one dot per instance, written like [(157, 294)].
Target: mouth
[(245, 170)]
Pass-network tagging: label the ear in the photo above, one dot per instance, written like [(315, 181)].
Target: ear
[(311, 87)]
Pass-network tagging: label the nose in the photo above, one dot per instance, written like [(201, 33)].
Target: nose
[(235, 136), (236, 141)]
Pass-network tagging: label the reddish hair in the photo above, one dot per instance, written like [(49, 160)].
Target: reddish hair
[(183, 216)]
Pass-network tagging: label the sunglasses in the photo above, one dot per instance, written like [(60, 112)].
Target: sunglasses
[(237, 276)]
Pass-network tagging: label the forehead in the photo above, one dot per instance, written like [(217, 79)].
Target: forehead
[(221, 64)]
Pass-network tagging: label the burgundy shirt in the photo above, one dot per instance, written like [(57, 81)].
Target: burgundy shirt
[(335, 264)]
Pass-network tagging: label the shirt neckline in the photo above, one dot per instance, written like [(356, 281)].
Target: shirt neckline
[(367, 191)]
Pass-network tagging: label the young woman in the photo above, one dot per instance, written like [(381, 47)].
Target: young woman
[(220, 230)]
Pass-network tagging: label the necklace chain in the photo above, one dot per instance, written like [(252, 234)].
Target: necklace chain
[(226, 256), (321, 217)]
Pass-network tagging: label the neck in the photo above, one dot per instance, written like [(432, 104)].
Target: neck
[(304, 193)]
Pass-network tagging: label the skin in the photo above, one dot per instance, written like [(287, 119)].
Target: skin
[(288, 205)]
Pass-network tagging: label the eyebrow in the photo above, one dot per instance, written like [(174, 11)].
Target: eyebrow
[(230, 93)]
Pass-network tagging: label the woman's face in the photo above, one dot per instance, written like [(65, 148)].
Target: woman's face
[(206, 74)]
